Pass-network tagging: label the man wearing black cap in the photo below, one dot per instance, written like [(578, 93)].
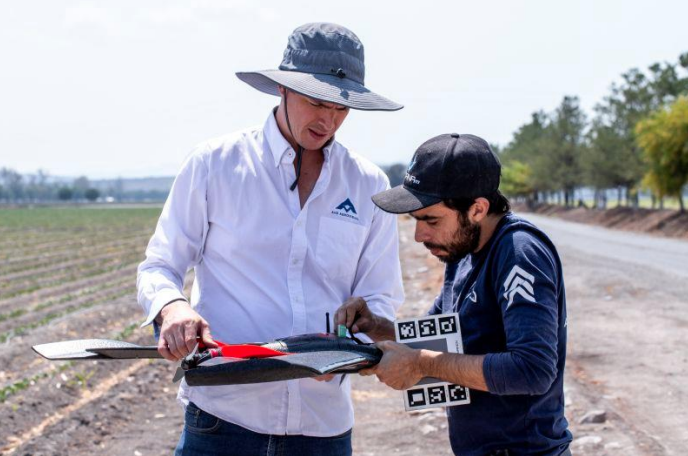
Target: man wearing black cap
[(504, 279), (278, 223)]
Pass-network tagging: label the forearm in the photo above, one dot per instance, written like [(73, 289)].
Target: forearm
[(520, 372), (464, 370)]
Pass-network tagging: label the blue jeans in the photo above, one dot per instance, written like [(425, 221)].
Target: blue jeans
[(206, 434)]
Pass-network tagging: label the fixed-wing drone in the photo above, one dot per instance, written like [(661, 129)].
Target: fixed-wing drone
[(302, 356)]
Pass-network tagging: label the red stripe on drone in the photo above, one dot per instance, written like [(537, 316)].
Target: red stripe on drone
[(245, 351)]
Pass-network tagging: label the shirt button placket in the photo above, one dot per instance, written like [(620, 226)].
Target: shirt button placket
[(299, 247)]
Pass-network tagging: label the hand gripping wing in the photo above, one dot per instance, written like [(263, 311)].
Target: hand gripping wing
[(287, 367), (302, 356)]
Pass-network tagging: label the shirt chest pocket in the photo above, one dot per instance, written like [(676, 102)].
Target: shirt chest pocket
[(339, 248)]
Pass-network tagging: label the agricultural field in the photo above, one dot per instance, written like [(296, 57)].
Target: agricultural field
[(65, 273), (70, 273)]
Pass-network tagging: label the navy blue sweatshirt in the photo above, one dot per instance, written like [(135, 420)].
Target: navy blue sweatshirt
[(512, 307)]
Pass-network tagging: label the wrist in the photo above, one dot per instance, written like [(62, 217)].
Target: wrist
[(425, 360), (167, 308), (383, 329)]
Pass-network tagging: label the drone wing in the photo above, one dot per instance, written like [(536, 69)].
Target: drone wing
[(95, 349), (288, 367)]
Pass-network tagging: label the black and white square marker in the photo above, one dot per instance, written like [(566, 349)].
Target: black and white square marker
[(416, 397), (436, 395), (427, 327), (456, 393), (407, 330), (447, 325), (439, 333)]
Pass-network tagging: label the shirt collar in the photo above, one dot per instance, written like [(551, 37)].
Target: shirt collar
[(278, 143)]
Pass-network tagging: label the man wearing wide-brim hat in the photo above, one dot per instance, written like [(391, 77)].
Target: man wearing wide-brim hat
[(278, 224)]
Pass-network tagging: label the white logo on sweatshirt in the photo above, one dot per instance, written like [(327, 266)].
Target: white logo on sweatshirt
[(519, 282)]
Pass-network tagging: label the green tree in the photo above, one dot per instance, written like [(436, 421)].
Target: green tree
[(612, 130), (92, 194), (567, 141), (664, 138), (80, 185), (530, 146), (65, 193), (13, 182), (602, 162), (516, 179)]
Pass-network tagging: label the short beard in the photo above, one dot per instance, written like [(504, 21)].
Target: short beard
[(465, 240)]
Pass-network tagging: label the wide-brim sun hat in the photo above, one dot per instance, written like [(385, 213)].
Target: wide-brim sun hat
[(326, 62)]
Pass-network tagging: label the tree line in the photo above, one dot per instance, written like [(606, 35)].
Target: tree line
[(636, 141), (41, 188)]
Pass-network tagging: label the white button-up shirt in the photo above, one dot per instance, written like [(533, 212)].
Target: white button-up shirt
[(266, 268)]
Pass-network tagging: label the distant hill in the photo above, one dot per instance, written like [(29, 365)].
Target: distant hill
[(139, 184)]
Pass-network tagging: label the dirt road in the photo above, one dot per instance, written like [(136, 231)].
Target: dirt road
[(628, 337), (627, 356)]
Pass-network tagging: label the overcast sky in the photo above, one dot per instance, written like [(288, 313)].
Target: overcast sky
[(127, 88)]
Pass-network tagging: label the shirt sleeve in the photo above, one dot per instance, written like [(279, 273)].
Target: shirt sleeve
[(526, 278), (436, 308), (378, 274), (178, 241)]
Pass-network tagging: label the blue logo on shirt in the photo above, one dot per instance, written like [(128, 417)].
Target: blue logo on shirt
[(346, 209), (347, 206)]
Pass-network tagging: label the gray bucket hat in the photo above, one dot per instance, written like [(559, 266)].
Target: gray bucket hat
[(322, 61)]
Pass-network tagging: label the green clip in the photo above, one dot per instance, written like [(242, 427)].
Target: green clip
[(341, 331)]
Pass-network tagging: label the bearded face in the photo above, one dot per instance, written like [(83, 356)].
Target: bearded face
[(462, 241)]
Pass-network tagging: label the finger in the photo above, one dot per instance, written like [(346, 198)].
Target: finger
[(206, 337), (190, 333), (351, 312), (176, 343), (340, 316), (367, 372), (164, 351), (324, 378)]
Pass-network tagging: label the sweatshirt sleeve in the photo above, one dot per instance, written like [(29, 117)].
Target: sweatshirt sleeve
[(526, 284)]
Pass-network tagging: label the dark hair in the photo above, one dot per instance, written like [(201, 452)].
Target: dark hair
[(499, 204)]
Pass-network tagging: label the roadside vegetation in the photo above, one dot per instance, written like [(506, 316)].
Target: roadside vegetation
[(637, 142), (633, 152)]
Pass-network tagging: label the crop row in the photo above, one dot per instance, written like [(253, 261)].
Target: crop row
[(75, 296), (62, 276), (53, 370), (67, 251), (69, 264)]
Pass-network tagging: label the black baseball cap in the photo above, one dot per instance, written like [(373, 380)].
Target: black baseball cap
[(446, 166)]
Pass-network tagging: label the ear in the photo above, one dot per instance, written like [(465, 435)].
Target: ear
[(478, 211), (282, 90)]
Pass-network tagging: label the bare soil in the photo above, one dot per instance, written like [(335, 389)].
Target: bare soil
[(627, 356)]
